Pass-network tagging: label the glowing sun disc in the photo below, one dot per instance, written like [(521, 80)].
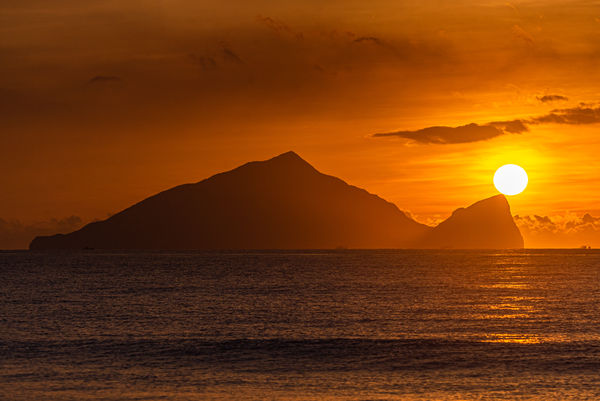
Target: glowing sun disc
[(510, 179)]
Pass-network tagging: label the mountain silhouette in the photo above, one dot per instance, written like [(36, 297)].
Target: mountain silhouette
[(281, 203), (284, 203), (487, 224)]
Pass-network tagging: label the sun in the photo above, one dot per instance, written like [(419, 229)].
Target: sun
[(510, 179)]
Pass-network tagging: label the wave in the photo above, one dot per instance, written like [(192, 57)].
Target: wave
[(267, 355)]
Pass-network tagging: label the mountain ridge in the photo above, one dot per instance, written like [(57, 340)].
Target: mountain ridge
[(279, 203)]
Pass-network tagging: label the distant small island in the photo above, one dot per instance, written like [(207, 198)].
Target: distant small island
[(285, 203)]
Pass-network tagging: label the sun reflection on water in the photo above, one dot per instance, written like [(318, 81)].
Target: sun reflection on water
[(512, 295), (518, 286), (521, 338), (511, 306)]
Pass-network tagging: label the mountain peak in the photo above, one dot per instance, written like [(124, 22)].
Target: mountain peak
[(289, 155), (288, 164), (499, 199), (497, 203), (485, 224), (280, 203), (288, 158)]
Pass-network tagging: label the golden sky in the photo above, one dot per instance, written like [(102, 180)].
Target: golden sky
[(103, 103)]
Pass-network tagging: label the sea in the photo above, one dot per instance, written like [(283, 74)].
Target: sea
[(300, 325)]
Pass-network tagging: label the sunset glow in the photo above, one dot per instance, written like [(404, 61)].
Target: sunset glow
[(416, 101), (299, 200)]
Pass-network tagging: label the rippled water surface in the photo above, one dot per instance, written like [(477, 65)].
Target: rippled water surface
[(347, 325)]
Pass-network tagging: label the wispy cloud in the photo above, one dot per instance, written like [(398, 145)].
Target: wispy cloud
[(215, 59), (568, 230), (230, 56), (205, 63), (278, 27), (371, 39), (551, 98), (522, 34)]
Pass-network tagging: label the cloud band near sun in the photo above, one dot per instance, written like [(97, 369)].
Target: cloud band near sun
[(473, 132)]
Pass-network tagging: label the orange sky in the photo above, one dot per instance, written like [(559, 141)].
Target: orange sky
[(103, 103)]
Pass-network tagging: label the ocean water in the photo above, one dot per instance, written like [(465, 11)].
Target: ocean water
[(315, 325)]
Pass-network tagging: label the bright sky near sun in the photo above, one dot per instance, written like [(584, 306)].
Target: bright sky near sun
[(103, 103)]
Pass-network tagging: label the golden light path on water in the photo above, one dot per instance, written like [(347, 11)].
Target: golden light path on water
[(521, 307)]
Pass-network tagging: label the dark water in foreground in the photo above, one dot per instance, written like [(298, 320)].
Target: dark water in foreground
[(348, 325)]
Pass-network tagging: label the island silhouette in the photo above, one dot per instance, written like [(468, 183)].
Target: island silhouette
[(284, 203)]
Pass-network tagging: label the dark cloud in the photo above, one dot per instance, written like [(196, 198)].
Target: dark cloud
[(448, 135), (474, 132), (15, 234), (231, 57), (551, 98), (99, 79), (371, 39), (511, 127), (573, 116)]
